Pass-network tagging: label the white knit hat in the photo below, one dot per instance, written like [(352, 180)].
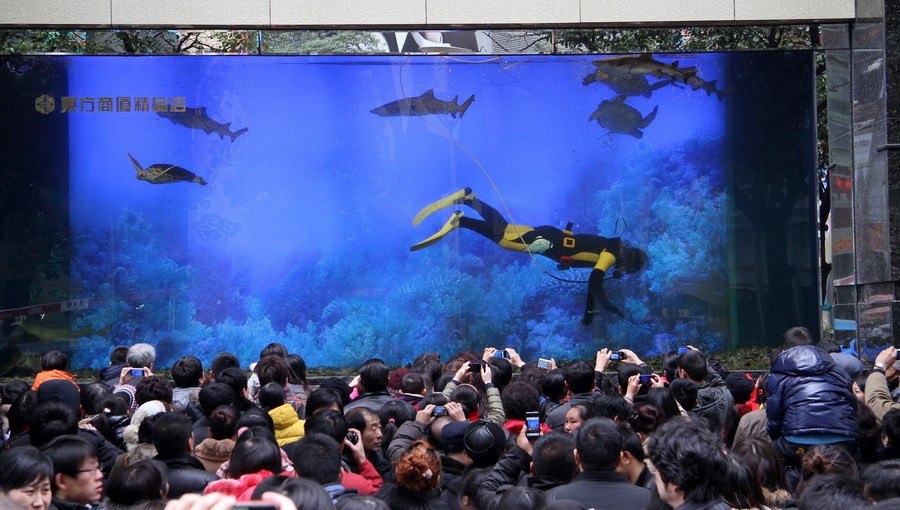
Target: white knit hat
[(146, 409)]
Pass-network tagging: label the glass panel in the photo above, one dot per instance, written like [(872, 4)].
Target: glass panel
[(211, 203)]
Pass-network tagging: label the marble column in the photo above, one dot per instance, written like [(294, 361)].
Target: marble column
[(866, 176)]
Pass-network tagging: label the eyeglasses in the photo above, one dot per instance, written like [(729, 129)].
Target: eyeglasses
[(95, 469)]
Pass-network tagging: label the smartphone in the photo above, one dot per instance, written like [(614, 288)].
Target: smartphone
[(439, 411), (682, 350), (544, 363), (137, 372), (532, 425), (475, 366), (646, 378), (501, 353), (615, 356), (254, 505), (353, 437)]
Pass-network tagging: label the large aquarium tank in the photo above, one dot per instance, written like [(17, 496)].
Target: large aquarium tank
[(353, 207)]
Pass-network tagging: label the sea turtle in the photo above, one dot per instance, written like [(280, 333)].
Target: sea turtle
[(625, 83), (164, 173), (618, 117)]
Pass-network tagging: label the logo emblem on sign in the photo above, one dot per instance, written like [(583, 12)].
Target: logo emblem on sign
[(45, 104)]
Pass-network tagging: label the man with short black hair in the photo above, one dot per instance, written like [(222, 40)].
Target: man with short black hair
[(632, 463), (210, 397), (833, 492), (580, 381), (614, 407), (174, 443), (550, 461), (689, 466), (373, 386), (332, 424), (273, 368), (714, 401), (237, 379), (598, 449), (151, 388), (412, 388), (187, 374), (53, 368), (56, 414), (110, 375), (50, 420), (222, 361), (77, 482), (882, 480), (317, 457)]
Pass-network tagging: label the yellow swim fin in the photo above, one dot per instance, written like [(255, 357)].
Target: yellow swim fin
[(454, 199), (450, 225)]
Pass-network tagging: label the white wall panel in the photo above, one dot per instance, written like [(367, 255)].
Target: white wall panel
[(348, 12), (412, 13), (192, 13)]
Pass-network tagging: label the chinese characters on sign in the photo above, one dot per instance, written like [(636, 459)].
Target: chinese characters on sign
[(160, 104)]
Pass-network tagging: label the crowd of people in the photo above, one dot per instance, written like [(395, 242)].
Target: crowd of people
[(478, 431)]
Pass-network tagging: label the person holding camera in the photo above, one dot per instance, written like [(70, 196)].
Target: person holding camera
[(366, 479), (580, 379), (430, 418), (878, 394), (548, 461), (139, 362), (462, 389), (368, 425), (714, 401)]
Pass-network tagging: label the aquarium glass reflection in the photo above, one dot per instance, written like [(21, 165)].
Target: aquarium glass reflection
[(382, 206)]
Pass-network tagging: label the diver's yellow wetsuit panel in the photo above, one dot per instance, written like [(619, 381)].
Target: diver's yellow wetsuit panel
[(512, 237), (580, 250), (605, 261)]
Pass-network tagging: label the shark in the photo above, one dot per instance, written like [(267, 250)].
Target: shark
[(49, 333), (196, 118), (697, 83), (645, 64), (426, 104)]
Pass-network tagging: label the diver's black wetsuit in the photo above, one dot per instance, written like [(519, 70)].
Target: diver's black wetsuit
[(566, 248)]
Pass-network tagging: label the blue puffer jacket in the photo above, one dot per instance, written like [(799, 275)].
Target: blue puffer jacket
[(809, 395)]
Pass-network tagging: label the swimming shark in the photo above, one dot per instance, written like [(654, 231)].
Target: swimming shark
[(49, 333), (196, 118), (645, 64), (426, 104), (697, 83)]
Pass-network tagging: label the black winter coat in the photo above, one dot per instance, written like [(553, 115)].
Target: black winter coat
[(809, 395), (186, 474)]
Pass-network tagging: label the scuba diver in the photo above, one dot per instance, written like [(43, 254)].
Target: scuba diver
[(563, 246)]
